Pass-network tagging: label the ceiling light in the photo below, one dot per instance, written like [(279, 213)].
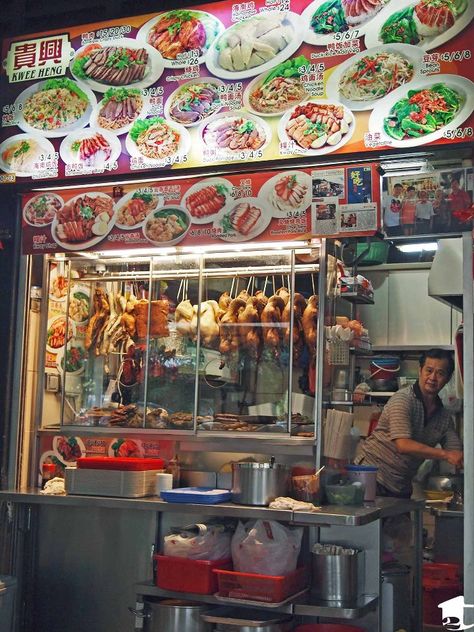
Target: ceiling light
[(428, 246)]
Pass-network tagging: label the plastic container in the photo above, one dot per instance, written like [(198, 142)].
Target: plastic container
[(189, 576), (437, 572), (365, 474), (433, 596), (346, 494), (384, 368), (200, 495), (376, 255), (335, 577), (267, 588), (327, 627)]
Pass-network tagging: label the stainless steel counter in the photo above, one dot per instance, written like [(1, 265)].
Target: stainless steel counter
[(327, 515)]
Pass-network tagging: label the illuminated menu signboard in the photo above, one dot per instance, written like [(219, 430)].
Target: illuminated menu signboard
[(236, 83)]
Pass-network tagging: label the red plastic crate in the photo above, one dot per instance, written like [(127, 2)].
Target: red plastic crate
[(268, 588), (192, 576), (440, 574)]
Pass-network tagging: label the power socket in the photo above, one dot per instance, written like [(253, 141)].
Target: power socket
[(53, 383)]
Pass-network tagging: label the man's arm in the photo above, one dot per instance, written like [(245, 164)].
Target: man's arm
[(415, 448)]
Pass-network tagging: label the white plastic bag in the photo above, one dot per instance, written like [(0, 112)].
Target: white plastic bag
[(266, 547), (211, 543)]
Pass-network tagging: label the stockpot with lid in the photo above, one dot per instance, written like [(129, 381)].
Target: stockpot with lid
[(259, 483), (174, 615)]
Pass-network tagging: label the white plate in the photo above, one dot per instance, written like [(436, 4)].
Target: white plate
[(412, 53), (154, 70), (252, 86), (127, 198), (52, 278), (30, 203), (429, 43), (60, 357), (201, 185), (326, 149), (133, 448), (267, 188), (72, 158), (83, 289), (463, 86), (46, 146), (142, 36), (83, 245), (264, 127), (62, 452), (94, 120), (318, 39), (183, 146), (177, 239), (61, 131), (259, 227), (182, 88), (71, 332), (291, 19)]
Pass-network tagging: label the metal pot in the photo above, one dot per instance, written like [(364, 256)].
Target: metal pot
[(259, 483), (175, 615), (445, 483)]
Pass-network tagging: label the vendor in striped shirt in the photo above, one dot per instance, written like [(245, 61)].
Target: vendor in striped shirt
[(412, 426)]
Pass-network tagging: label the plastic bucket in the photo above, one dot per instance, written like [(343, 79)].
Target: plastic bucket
[(433, 596), (365, 474), (384, 368), (327, 627)]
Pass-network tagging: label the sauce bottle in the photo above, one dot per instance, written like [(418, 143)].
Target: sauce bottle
[(175, 470), (47, 473)]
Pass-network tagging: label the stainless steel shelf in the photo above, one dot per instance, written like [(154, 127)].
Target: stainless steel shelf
[(342, 610)]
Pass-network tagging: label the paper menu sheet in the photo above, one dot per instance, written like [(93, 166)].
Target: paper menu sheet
[(337, 434)]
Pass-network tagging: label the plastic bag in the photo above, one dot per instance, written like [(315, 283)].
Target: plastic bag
[(211, 542), (266, 547)]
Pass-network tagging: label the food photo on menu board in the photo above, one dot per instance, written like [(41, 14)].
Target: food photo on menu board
[(236, 83), (261, 207)]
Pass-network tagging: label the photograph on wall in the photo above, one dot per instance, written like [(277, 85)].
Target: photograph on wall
[(324, 215), (328, 183), (429, 203), (359, 185)]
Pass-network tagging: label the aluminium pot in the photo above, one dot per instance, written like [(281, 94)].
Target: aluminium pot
[(259, 483), (176, 615)]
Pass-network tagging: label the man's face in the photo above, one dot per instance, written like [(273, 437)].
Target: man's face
[(455, 185), (423, 196), (397, 190), (433, 376)]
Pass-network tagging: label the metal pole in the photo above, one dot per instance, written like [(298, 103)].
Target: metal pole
[(468, 423), (320, 352)]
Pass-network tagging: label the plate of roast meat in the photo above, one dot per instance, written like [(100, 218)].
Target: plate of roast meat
[(243, 221), (119, 64), (119, 109), (83, 221), (235, 133), (207, 198)]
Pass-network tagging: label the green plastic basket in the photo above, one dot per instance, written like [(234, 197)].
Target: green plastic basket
[(377, 254)]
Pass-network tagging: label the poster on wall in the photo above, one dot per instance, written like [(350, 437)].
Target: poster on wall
[(235, 83), (435, 202), (232, 209)]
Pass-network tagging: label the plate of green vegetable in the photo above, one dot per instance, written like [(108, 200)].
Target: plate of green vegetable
[(167, 225), (424, 23), (424, 111)]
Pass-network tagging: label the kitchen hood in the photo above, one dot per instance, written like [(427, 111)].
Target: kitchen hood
[(445, 278)]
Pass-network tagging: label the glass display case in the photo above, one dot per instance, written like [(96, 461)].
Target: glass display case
[(189, 343)]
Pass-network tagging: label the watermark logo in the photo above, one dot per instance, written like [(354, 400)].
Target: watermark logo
[(453, 614)]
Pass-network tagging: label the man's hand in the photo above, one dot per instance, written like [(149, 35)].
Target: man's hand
[(454, 457)]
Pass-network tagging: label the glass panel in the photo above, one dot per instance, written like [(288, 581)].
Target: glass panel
[(305, 322), (244, 362), (104, 365), (171, 339)]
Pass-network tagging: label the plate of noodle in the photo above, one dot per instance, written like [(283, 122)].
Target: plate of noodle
[(157, 141), (362, 81)]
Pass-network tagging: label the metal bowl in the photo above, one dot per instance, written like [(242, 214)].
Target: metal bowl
[(445, 483)]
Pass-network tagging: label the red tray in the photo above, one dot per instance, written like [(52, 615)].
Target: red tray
[(128, 464), (189, 576), (269, 588)]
